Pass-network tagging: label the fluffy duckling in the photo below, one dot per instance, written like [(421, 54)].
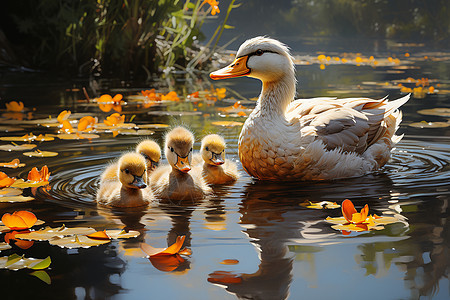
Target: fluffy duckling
[(130, 190), (174, 181), (215, 169), (151, 151), (148, 148)]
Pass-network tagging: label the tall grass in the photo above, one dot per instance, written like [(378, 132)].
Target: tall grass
[(116, 37)]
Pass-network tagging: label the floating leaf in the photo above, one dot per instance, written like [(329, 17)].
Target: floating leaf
[(425, 124), (39, 176), (13, 199), (22, 184), (321, 205), (15, 163), (77, 241), (439, 111), (227, 123), (19, 220), (135, 132), (153, 126), (63, 116), (15, 147), (5, 180), (42, 275), (173, 249), (122, 234), (87, 123), (16, 262), (229, 262), (27, 138), (4, 246), (6, 192), (99, 235), (166, 263), (39, 153), (49, 233), (77, 136)]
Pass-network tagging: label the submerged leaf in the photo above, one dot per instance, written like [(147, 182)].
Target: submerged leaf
[(224, 277)]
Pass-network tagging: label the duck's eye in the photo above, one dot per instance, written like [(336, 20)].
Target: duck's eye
[(127, 171), (206, 148), (171, 149), (259, 52), (190, 150)]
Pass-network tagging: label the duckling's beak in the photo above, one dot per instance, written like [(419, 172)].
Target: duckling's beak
[(236, 69), (139, 182), (183, 164), (217, 159)]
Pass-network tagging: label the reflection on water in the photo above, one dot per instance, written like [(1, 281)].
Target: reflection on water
[(284, 249)]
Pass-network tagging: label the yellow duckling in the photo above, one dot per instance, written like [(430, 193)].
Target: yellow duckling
[(130, 190), (307, 139), (174, 181), (215, 169), (149, 149)]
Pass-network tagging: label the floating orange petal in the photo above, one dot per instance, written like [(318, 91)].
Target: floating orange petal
[(14, 106), (105, 107), (15, 163), (358, 218), (5, 181), (173, 249), (19, 220), (99, 235), (37, 176), (87, 123), (114, 119), (348, 209), (64, 115)]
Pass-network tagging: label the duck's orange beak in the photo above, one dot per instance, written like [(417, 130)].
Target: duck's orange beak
[(183, 164), (236, 69)]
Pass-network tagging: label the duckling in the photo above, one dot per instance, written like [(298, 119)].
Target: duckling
[(215, 169), (130, 190), (149, 149), (173, 181)]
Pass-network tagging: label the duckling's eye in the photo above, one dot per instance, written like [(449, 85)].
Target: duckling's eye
[(206, 148), (127, 171), (171, 149), (190, 150), (259, 52)]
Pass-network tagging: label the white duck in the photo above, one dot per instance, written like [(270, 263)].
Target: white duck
[(307, 139)]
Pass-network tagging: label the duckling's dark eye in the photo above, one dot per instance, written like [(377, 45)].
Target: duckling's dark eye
[(259, 52), (206, 148), (127, 171), (190, 150), (171, 149)]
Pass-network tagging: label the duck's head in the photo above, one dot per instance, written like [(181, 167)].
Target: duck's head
[(260, 57), (133, 170), (151, 151), (213, 149), (178, 148)]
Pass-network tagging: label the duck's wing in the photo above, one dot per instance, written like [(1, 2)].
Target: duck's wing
[(352, 124)]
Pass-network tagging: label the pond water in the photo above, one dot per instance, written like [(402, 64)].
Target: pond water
[(284, 250)]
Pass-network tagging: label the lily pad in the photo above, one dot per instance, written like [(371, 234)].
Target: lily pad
[(14, 199), (22, 184), (39, 153), (77, 241), (49, 233), (153, 126), (77, 136), (15, 147)]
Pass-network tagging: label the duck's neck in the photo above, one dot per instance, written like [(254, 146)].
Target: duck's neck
[(276, 95)]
